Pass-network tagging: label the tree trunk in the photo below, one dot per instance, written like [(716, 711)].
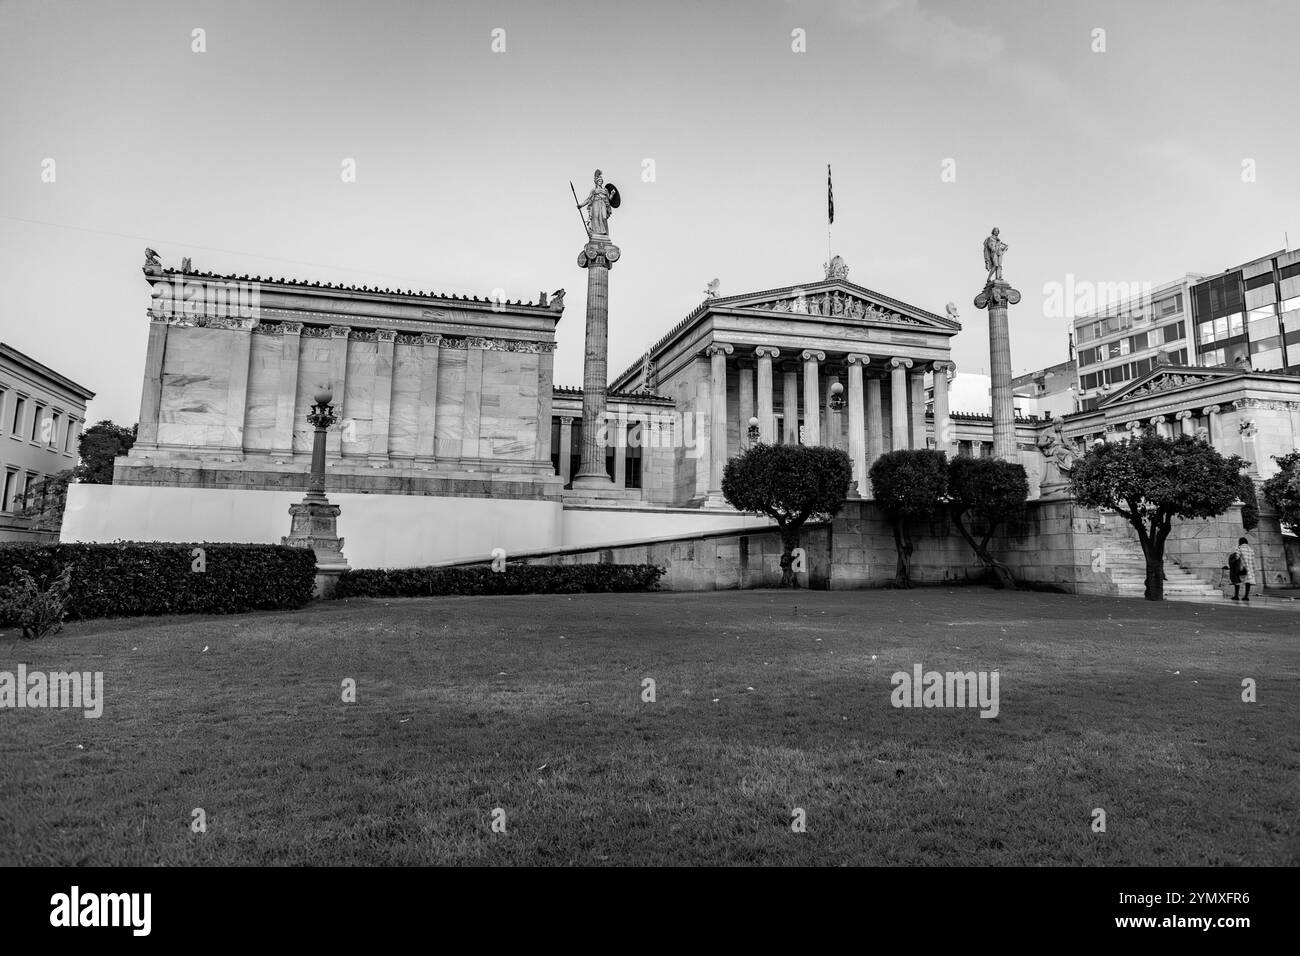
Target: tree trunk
[(999, 572), (903, 544), (1153, 549), (789, 541)]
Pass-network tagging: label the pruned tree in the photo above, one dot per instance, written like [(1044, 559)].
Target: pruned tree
[(907, 485), (993, 492), (1282, 491), (792, 485), (1150, 480)]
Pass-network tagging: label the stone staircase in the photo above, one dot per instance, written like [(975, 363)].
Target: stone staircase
[(1128, 569)]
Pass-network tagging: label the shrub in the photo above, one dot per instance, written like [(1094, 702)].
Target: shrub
[(134, 578), (38, 612), (481, 579), (1249, 504), (907, 484)]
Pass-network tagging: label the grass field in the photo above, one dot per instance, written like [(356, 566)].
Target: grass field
[(766, 702)]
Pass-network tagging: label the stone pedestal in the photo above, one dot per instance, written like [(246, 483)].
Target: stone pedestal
[(314, 525), (997, 295), (597, 257)]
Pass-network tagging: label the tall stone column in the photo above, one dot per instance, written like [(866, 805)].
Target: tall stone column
[(898, 402), (382, 402), (916, 406), (944, 433), (766, 417), (746, 404), (426, 409), (286, 399), (151, 396), (597, 257), (812, 431), (997, 295), (566, 448), (1185, 422), (717, 353), (237, 391), (857, 424), (1211, 412), (619, 441), (790, 408), (1158, 425), (875, 424), (338, 383)]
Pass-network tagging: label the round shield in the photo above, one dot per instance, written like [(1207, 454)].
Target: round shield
[(615, 197)]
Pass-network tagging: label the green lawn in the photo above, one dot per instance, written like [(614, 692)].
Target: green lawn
[(533, 705)]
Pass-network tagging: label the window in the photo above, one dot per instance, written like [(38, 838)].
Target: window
[(38, 417), (1168, 306), (67, 435), (20, 413), (1205, 333), (1236, 323), (3, 393), (1256, 282), (633, 451), (555, 444), (6, 502)]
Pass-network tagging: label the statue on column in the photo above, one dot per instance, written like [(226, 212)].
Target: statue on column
[(993, 250), (602, 200)]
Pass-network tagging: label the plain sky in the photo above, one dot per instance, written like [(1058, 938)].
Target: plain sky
[(1117, 166)]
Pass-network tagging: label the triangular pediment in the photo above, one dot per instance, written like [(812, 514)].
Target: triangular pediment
[(1165, 378), (836, 299)]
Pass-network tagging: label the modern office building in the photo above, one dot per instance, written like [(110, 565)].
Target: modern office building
[(41, 414), (1128, 336), (1250, 312), (1047, 392)]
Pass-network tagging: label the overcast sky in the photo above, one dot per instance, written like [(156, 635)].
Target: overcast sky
[(1117, 166)]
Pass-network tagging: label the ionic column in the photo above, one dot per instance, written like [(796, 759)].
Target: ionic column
[(426, 408), (620, 450), (746, 398), (875, 425), (898, 401), (857, 424), (766, 418), (1212, 413), (338, 383), (717, 353), (381, 404), (1185, 419), (790, 409), (597, 257), (1157, 423), (566, 448), (237, 392), (944, 433), (916, 406), (831, 429), (151, 395), (812, 431), (286, 399)]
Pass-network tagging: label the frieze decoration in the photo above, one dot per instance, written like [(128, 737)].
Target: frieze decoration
[(497, 345), (409, 338), (836, 304), (1275, 406), (1166, 382), (198, 320), (315, 332), (268, 328)]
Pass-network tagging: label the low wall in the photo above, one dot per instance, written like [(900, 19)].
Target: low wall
[(378, 530), (714, 561), (593, 525)]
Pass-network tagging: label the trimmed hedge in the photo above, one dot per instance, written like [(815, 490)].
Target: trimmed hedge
[(481, 579), (127, 579)]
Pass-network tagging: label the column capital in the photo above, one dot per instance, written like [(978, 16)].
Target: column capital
[(567, 420), (943, 366), (339, 331), (386, 335), (598, 252), (767, 351), (857, 358), (997, 294), (1134, 425), (430, 338), (900, 363), (719, 348), (1183, 415), (812, 355), (291, 328), (1211, 410), (1158, 419)]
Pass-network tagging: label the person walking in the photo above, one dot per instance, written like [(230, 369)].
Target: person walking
[(1246, 562)]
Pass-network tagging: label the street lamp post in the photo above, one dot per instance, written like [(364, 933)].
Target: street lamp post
[(314, 520), (753, 430)]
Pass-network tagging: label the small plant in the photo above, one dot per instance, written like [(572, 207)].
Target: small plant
[(38, 612)]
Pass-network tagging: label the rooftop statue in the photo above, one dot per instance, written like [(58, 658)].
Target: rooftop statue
[(993, 250)]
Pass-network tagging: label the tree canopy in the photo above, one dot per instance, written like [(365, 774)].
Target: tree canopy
[(991, 491), (907, 484), (1282, 491), (98, 445)]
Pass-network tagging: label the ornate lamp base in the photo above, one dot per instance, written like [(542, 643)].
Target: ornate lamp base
[(315, 525)]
